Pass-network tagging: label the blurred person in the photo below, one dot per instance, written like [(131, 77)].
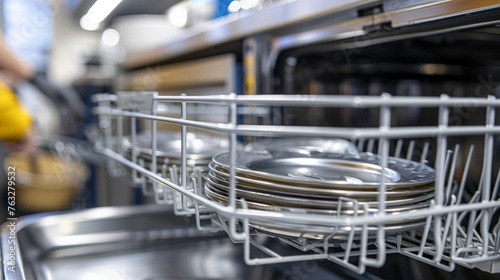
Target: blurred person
[(16, 125), (15, 129), (13, 67)]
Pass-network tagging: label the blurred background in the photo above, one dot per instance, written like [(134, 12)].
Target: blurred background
[(76, 48)]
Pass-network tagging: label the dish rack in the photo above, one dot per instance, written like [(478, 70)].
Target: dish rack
[(457, 228)]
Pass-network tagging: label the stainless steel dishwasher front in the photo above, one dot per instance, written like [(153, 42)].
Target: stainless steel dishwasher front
[(125, 242), (118, 243), (142, 242)]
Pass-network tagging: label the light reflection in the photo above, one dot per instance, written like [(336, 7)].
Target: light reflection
[(99, 11), (178, 14), (87, 24), (110, 38), (234, 7)]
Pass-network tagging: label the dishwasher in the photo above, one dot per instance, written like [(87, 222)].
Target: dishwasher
[(366, 147)]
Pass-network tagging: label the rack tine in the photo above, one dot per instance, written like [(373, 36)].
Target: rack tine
[(491, 239), (448, 221), (480, 186), (198, 216), (477, 236), (476, 223), (119, 133), (470, 228), (454, 228), (465, 174), (164, 169), (348, 249), (496, 231), (452, 171), (409, 153), (167, 191), (143, 179), (173, 174), (497, 244), (185, 205), (446, 164), (472, 200), (159, 193), (361, 144), (370, 146), (495, 189), (425, 150), (133, 132), (351, 234), (364, 238), (425, 234), (444, 238), (461, 230), (399, 147), (486, 175)]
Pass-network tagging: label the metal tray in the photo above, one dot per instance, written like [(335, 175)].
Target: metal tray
[(133, 242)]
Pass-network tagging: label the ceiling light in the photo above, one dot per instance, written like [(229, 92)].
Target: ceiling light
[(98, 13), (87, 24), (101, 9)]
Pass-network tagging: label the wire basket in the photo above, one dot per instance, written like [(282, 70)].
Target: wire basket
[(459, 225)]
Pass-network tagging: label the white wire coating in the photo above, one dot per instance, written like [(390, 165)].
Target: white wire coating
[(443, 241)]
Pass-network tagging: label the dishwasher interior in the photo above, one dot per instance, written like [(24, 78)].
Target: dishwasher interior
[(456, 64), (416, 182), (424, 99), (444, 147)]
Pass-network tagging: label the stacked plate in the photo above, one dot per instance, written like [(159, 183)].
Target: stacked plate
[(199, 152), (302, 146), (321, 183)]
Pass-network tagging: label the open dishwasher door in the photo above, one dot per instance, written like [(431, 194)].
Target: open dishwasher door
[(139, 242), (150, 243)]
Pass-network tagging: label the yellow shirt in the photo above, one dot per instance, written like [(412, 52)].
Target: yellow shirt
[(15, 122)]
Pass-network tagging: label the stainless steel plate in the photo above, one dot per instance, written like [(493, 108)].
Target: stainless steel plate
[(329, 170), (213, 192), (313, 191), (200, 147), (316, 201), (302, 146), (340, 233)]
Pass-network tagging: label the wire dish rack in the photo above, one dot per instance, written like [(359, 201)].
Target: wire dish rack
[(459, 225)]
